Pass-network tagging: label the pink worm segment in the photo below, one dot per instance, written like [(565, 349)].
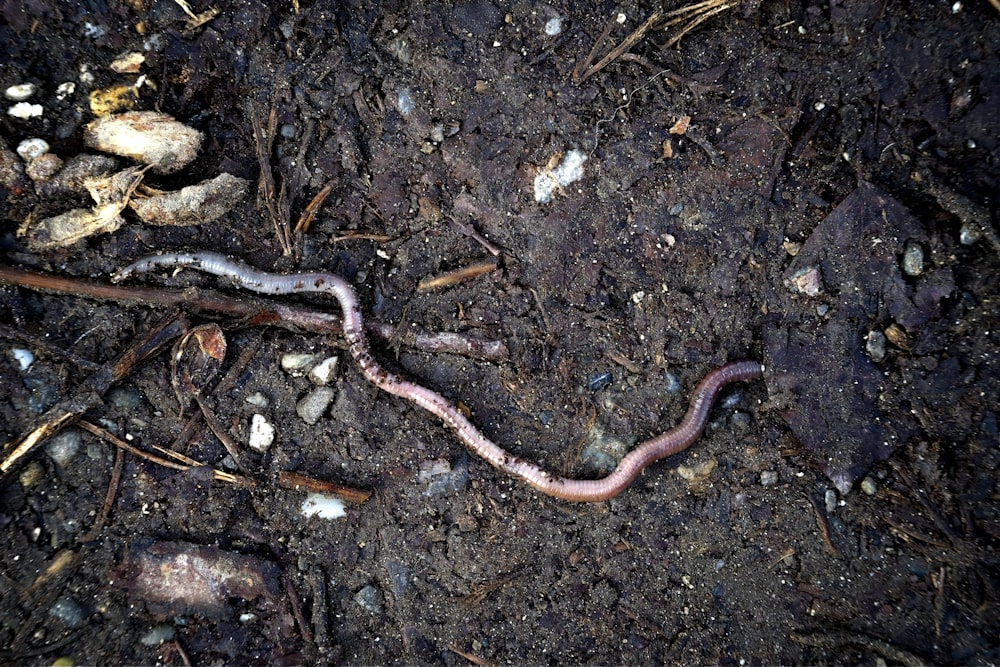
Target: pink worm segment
[(675, 440)]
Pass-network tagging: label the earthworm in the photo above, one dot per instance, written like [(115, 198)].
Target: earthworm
[(671, 442)]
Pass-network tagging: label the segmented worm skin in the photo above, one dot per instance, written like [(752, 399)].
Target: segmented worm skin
[(671, 442)]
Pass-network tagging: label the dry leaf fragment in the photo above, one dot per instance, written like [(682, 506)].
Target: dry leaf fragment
[(111, 195), (203, 202), (150, 137)]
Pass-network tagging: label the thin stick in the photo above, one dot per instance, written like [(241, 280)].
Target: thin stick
[(258, 312), (626, 44), (109, 497)]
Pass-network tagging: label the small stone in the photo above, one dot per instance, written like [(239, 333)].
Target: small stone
[(697, 472), (25, 110), (157, 635), (20, 92), (295, 363), (969, 234), (671, 383), (869, 486), (128, 63), (768, 478), (63, 446), (875, 345), (69, 611), (65, 89), (791, 247), (23, 357), (261, 434), (29, 149), (324, 371), (44, 167), (124, 399), (314, 404), (913, 259), (31, 475), (370, 598), (258, 400), (830, 499), (806, 281)]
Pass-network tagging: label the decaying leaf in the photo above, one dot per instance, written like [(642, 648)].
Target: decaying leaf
[(833, 396), (110, 194), (194, 204), (196, 360), (149, 137)]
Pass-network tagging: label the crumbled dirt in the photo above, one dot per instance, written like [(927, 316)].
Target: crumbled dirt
[(843, 510)]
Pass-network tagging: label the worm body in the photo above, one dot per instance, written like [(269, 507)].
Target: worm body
[(675, 440)]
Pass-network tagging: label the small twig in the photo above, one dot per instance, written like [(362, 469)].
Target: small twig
[(294, 481), (275, 203), (219, 475), (458, 275), (361, 236), (302, 226), (227, 441), (471, 657), (320, 611), (625, 45), (471, 232), (293, 600), (823, 522)]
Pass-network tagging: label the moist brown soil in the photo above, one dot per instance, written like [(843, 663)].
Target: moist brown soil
[(843, 510)]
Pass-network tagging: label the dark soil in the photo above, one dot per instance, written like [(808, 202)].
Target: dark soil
[(844, 510)]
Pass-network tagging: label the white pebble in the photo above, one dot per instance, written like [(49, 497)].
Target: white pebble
[(554, 26), (64, 90), (869, 486), (830, 498), (296, 362), (23, 357), (25, 110), (323, 372), (323, 506), (29, 149), (20, 92), (258, 400), (261, 434)]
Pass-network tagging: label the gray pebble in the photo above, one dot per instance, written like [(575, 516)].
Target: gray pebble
[(370, 598), (314, 404), (124, 399), (768, 478), (69, 611), (671, 383), (875, 345), (913, 259), (63, 446), (969, 234), (157, 635)]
